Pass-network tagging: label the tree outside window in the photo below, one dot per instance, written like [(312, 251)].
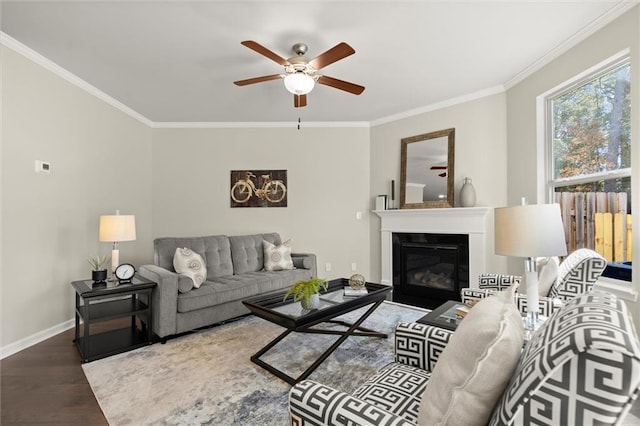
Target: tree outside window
[(589, 132)]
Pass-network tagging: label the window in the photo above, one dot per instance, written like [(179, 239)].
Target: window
[(588, 126)]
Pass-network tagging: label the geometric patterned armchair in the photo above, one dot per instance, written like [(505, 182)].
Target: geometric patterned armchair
[(584, 374), (576, 275)]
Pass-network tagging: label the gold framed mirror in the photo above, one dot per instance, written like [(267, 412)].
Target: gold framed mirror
[(426, 170)]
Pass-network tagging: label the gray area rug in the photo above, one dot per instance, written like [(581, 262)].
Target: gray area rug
[(207, 377)]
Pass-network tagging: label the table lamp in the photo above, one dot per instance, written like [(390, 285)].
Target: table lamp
[(530, 231), (116, 228)]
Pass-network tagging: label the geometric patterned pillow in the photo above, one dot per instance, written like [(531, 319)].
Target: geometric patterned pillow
[(577, 274), (191, 264), (277, 258), (582, 366)]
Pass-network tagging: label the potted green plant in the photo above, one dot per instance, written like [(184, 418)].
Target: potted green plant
[(307, 292), (98, 268)]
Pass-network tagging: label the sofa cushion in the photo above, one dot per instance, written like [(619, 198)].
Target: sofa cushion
[(215, 250), (238, 287), (277, 257), (247, 251), (189, 263), (474, 368), (396, 388)]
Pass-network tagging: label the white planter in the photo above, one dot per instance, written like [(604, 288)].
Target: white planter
[(313, 303)]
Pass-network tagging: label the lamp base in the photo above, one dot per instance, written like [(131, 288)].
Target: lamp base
[(532, 321)]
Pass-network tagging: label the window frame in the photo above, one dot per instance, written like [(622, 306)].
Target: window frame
[(546, 183)]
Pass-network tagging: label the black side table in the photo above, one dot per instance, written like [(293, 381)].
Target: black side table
[(108, 302), (444, 316)]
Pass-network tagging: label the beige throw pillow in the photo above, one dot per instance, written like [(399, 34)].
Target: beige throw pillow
[(547, 268), (475, 367), (277, 258), (191, 264)]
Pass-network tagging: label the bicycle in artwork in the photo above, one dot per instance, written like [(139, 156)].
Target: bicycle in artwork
[(271, 190)]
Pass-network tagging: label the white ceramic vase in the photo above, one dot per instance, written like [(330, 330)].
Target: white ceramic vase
[(467, 194)]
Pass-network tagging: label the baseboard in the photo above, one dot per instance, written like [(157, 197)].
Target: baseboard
[(22, 344)]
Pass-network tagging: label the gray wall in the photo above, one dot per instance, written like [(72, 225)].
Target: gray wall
[(328, 182), (100, 161), (480, 153), (623, 33)]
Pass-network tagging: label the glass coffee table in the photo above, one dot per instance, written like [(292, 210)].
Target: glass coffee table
[(291, 316)]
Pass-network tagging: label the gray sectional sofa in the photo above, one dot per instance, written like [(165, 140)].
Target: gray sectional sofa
[(235, 271)]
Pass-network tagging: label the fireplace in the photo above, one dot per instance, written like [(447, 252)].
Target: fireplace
[(473, 222), (429, 269)]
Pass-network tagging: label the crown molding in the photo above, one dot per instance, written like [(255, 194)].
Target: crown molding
[(439, 105), (27, 52), (46, 63), (257, 124), (606, 18), (620, 8)]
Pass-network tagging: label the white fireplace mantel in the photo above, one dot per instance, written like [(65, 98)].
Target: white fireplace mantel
[(472, 221)]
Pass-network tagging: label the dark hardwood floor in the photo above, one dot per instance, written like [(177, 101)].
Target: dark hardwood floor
[(45, 385)]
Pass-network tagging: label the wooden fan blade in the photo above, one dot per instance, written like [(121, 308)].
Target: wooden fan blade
[(265, 52), (443, 174), (337, 52), (299, 101), (257, 79), (341, 84), (438, 167)]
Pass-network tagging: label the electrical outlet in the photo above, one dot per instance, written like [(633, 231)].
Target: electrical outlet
[(358, 215), (354, 266), (327, 267), (43, 166)]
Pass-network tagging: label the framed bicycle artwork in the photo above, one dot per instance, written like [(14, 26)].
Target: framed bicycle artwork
[(258, 188)]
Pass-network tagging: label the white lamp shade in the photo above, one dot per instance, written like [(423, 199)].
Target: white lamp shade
[(530, 231), (115, 228), (299, 83)]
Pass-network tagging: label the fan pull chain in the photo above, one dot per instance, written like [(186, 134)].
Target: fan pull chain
[(298, 123)]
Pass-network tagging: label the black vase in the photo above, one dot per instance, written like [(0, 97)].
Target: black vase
[(99, 277)]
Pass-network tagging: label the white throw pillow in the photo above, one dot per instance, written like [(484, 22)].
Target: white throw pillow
[(277, 258), (475, 367), (547, 268), (191, 264)]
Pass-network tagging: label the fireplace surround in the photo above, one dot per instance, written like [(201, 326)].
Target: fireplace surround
[(471, 222)]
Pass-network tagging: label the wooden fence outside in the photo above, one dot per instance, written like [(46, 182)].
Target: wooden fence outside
[(597, 220)]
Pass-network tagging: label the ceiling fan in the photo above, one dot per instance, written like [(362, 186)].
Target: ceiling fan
[(300, 73), (443, 174)]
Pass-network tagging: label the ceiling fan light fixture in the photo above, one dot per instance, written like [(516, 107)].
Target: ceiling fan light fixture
[(299, 83)]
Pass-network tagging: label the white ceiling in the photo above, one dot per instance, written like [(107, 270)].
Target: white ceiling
[(175, 61)]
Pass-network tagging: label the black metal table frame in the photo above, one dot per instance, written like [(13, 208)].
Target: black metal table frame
[(352, 330)]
